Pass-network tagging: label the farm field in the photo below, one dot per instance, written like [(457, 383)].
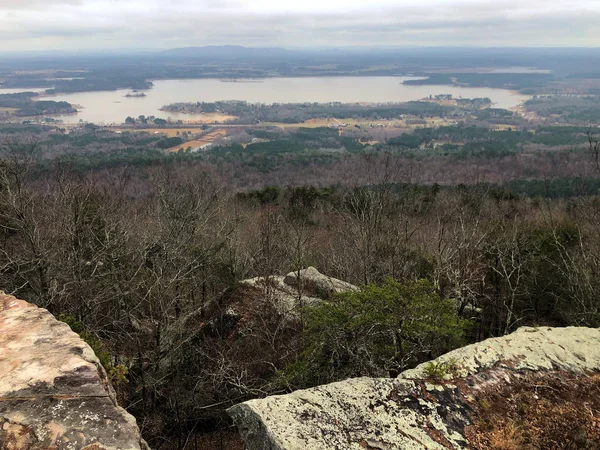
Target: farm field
[(169, 132), (210, 118), (206, 139), (326, 122)]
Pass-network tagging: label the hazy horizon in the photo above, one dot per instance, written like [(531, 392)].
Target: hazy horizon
[(80, 25), (121, 50)]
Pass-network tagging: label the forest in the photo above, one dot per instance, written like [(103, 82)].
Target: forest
[(523, 82), (78, 81), (568, 108), (143, 256), (25, 106), (255, 156), (248, 113)]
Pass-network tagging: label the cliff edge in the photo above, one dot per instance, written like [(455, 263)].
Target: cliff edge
[(446, 403), (54, 394)]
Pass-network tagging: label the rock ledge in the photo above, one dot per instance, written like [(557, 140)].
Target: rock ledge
[(412, 411), (54, 394)]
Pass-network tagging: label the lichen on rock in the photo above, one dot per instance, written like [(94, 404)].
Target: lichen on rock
[(54, 392), (413, 411)]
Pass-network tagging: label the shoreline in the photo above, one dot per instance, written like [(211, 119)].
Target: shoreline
[(286, 90)]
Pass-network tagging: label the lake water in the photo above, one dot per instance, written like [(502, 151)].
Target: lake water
[(108, 107)]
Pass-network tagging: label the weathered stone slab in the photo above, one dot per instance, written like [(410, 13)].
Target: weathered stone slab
[(318, 283), (291, 292), (54, 392), (411, 412)]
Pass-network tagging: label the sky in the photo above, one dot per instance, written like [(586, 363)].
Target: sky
[(39, 25)]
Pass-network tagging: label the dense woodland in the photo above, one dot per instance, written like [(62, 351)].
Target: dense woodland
[(143, 256), (567, 108), (254, 157), (25, 105), (248, 113), (78, 81), (524, 82)]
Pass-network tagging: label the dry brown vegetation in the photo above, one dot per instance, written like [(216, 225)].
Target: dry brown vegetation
[(553, 410), (144, 258)]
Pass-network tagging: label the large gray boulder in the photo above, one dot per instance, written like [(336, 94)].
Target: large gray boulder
[(412, 411), (245, 307), (320, 285), (54, 393), (307, 287)]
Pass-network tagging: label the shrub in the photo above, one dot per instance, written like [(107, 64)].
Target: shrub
[(90, 339), (377, 331), (440, 370)]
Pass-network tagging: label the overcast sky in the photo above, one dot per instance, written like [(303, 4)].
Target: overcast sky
[(82, 24)]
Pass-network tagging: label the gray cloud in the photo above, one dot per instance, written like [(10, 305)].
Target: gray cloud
[(36, 4), (150, 23)]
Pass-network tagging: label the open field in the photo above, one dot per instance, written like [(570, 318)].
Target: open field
[(313, 123), (193, 144), (210, 118), (383, 123), (206, 139), (169, 132)]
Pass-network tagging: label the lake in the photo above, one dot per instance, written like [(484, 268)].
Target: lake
[(109, 107)]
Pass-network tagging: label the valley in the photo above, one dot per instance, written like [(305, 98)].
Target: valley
[(260, 224)]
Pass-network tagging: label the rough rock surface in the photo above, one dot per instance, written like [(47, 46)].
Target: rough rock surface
[(412, 411), (291, 292), (313, 280), (54, 394), (247, 305)]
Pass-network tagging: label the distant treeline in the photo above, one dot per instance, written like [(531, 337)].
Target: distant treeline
[(567, 108), (297, 148), (25, 105), (99, 80), (300, 112), (20, 129), (472, 140), (17, 100), (517, 81), (555, 188)]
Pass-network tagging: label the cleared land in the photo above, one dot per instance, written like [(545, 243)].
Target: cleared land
[(210, 118), (204, 140), (169, 132), (318, 123)]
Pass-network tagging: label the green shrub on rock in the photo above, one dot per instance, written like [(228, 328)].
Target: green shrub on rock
[(377, 331)]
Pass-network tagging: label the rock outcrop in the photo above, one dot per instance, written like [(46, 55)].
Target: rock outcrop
[(252, 307), (311, 280), (298, 289), (54, 393), (429, 407)]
